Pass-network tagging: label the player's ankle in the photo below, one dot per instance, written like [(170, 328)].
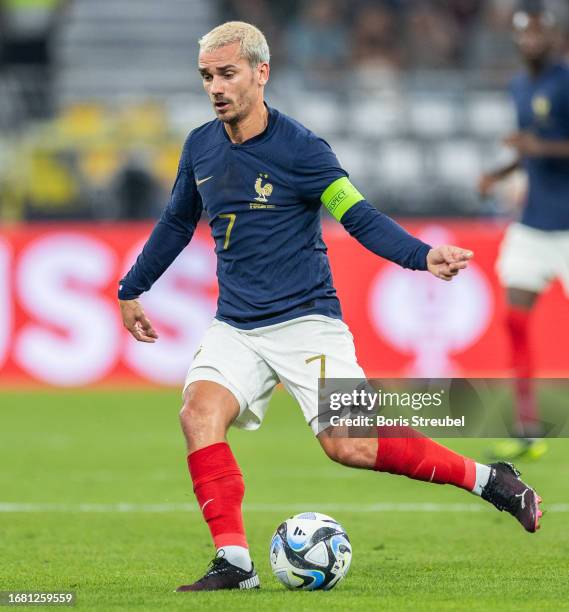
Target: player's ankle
[(236, 555), (482, 476)]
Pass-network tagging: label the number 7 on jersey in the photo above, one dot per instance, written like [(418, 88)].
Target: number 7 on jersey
[(231, 217)]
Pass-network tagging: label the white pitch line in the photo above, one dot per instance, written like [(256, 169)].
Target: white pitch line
[(124, 507)]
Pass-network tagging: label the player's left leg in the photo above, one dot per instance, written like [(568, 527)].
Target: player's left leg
[(406, 452), (304, 350)]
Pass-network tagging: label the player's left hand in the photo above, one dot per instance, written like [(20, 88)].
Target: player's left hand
[(446, 261), (526, 144)]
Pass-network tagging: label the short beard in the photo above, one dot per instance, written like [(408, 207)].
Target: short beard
[(238, 115), (231, 120)]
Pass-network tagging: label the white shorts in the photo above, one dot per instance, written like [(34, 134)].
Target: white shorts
[(531, 259), (250, 363)]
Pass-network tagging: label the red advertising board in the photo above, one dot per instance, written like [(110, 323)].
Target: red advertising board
[(60, 325)]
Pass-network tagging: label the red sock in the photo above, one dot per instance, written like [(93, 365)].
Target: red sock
[(414, 455), (219, 488), (518, 325)]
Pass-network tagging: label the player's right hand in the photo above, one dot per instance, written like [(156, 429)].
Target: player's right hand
[(486, 184), (136, 322)]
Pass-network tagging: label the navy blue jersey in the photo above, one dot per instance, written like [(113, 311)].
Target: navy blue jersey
[(542, 106), (263, 200)]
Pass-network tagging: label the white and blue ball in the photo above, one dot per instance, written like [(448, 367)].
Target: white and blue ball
[(310, 551)]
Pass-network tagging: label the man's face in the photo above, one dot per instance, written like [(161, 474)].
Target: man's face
[(232, 85), (534, 38)]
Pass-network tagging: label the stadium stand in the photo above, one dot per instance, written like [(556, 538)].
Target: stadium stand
[(119, 49), (412, 128)]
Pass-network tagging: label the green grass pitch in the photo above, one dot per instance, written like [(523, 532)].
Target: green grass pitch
[(70, 459)]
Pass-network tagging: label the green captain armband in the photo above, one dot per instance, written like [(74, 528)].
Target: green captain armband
[(340, 196)]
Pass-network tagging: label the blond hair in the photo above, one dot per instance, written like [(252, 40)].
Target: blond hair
[(254, 47)]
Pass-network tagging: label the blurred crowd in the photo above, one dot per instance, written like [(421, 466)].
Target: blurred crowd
[(27, 30), (91, 162), (99, 159), (316, 36)]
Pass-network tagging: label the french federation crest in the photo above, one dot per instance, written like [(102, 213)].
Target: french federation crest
[(263, 191), (541, 106)]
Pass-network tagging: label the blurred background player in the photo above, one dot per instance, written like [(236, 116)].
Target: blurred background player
[(535, 250)]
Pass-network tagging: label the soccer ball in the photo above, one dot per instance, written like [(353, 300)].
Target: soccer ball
[(310, 551)]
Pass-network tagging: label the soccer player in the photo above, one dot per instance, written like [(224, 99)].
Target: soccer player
[(535, 250), (261, 178)]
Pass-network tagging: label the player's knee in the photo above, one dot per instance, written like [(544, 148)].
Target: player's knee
[(208, 411), (192, 413), (339, 450), (351, 452)]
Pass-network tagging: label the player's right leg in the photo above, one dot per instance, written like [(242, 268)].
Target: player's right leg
[(208, 411), (227, 384)]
